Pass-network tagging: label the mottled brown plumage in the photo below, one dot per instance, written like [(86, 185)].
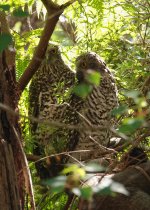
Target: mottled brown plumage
[(47, 92), (85, 113), (94, 110)]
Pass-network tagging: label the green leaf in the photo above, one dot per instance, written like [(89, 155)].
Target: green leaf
[(20, 13), (131, 125), (5, 40), (5, 7), (57, 184), (93, 167), (76, 191), (108, 187), (70, 169), (86, 193), (74, 169), (106, 191), (93, 77), (118, 188), (141, 102), (119, 110), (30, 2), (132, 94), (82, 90)]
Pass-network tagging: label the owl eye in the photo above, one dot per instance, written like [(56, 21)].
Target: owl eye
[(83, 64)]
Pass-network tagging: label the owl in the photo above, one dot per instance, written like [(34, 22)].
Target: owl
[(89, 117), (47, 92), (92, 114)]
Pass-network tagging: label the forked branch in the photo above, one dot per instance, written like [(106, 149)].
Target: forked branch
[(53, 12)]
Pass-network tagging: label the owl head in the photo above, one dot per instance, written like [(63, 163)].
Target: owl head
[(87, 63), (53, 53)]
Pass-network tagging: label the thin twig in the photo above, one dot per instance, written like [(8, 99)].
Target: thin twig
[(64, 153), (26, 172), (53, 123)]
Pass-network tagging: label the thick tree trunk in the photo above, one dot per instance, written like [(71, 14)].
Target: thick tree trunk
[(9, 196), (11, 167)]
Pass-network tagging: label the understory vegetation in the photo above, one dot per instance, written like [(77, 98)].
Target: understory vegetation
[(118, 31)]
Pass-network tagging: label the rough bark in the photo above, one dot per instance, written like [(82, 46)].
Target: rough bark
[(14, 174), (9, 196), (8, 150)]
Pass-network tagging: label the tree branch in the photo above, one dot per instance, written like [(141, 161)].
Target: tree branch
[(67, 4), (54, 11), (39, 52), (50, 5), (4, 23)]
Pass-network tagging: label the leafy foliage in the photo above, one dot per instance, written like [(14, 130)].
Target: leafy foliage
[(117, 30)]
